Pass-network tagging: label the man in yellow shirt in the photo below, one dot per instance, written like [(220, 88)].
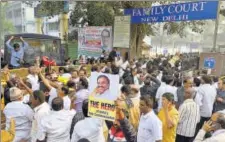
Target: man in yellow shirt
[(8, 136), (169, 117)]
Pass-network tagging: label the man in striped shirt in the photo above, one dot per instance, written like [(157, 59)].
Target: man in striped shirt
[(189, 117)]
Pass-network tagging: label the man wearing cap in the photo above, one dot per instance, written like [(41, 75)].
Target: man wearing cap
[(17, 52), (22, 114)]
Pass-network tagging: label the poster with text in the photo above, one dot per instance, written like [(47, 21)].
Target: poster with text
[(103, 109), (93, 40), (121, 32)]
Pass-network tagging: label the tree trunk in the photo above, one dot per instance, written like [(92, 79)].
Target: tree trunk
[(136, 41)]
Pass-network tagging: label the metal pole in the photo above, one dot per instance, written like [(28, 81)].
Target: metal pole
[(216, 26)]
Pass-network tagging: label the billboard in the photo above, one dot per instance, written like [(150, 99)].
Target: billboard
[(93, 40), (189, 11), (121, 32)]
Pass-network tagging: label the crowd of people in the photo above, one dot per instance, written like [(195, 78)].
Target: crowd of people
[(157, 103)]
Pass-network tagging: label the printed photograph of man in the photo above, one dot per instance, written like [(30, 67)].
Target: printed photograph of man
[(102, 90), (105, 35)]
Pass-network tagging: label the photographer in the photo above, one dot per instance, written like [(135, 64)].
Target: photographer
[(17, 52)]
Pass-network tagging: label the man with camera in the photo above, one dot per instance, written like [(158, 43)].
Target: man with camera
[(17, 52)]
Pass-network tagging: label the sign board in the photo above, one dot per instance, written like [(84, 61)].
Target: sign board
[(121, 32), (209, 62), (103, 109), (93, 40), (174, 12)]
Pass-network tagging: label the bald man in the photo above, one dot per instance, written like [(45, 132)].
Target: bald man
[(189, 117), (216, 125)]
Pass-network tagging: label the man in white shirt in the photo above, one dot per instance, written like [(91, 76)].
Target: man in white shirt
[(167, 88), (189, 116), (22, 114), (215, 125), (150, 127), (205, 98), (33, 79), (89, 128), (55, 127), (41, 109)]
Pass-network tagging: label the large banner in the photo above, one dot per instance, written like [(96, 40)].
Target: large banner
[(93, 40), (174, 12), (121, 32)]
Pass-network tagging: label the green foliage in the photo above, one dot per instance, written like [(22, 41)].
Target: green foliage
[(7, 26), (51, 8)]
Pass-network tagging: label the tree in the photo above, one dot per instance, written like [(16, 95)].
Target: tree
[(7, 26)]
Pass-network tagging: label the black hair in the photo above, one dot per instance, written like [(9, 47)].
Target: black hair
[(85, 107), (66, 60), (70, 84), (169, 97), (148, 100), (94, 68), (3, 64), (84, 82), (62, 68), (57, 104), (207, 79), (126, 89), (83, 140), (197, 82), (39, 95), (107, 70), (177, 82), (128, 80), (65, 90), (215, 78), (147, 81), (104, 76), (115, 69), (16, 45), (168, 79)]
